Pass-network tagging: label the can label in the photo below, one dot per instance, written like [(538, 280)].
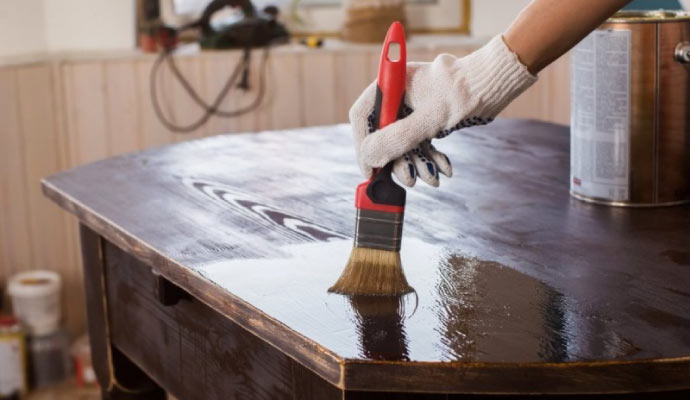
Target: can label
[(600, 116), (12, 373)]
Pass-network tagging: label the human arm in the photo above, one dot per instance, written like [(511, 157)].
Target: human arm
[(547, 29)]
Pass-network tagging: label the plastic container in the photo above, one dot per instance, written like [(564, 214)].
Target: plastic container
[(36, 301)]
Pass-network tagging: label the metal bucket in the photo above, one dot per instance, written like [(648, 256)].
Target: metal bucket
[(630, 117)]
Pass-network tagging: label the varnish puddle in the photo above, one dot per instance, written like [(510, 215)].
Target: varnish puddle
[(463, 308)]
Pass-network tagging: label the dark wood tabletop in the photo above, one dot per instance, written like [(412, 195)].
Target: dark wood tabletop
[(519, 287)]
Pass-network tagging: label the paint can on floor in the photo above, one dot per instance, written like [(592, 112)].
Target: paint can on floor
[(13, 381), (49, 359), (36, 300), (630, 119)]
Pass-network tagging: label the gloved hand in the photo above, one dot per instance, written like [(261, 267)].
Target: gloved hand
[(443, 96)]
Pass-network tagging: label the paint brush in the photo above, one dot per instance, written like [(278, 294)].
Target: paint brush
[(374, 267)]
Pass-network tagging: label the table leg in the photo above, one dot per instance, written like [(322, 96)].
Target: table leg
[(118, 377)]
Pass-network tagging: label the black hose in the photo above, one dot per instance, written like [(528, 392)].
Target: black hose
[(212, 109)]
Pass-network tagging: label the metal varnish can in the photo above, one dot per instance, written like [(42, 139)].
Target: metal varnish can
[(13, 382), (630, 122)]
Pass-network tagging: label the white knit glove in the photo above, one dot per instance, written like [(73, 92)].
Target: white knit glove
[(443, 96)]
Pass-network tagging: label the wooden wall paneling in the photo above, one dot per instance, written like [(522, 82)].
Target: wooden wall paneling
[(14, 223), (75, 316), (419, 54), (88, 130), (353, 75), (122, 107), (529, 104), (35, 106), (284, 104), (318, 87), (184, 110), (374, 57), (548, 99), (259, 118), (152, 131), (240, 98), (262, 114), (559, 91), (48, 230), (217, 67)]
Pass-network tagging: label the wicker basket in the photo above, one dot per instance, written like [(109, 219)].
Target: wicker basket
[(367, 21)]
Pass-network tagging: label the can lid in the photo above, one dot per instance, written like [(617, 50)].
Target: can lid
[(633, 16), (35, 283)]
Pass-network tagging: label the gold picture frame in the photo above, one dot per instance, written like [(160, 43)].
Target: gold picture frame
[(463, 27)]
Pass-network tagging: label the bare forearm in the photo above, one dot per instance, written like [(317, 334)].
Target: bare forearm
[(546, 29)]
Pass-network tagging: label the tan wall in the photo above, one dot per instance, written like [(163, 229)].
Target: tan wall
[(23, 20), (61, 113)]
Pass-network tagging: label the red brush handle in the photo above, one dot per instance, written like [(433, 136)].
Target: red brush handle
[(380, 193), (391, 77)]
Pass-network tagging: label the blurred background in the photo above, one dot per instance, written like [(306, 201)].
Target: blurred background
[(82, 80)]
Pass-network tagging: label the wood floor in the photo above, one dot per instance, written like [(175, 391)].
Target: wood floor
[(67, 390)]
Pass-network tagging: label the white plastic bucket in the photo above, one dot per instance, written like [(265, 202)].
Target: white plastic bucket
[(36, 300)]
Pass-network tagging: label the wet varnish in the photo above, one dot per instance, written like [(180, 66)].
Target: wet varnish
[(518, 287)]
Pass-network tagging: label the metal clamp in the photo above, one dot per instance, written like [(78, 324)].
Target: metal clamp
[(682, 53)]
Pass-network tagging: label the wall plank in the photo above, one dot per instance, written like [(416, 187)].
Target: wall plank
[(151, 130), (558, 93), (50, 246), (87, 124), (318, 87), (122, 107), (286, 91), (34, 101), (353, 74), (240, 98), (262, 114), (184, 110), (217, 67), (14, 222), (75, 315)]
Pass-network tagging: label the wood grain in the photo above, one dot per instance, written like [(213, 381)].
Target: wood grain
[(519, 288)]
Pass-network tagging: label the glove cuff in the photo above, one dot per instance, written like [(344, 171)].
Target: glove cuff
[(495, 76)]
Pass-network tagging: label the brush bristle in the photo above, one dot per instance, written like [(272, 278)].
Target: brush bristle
[(372, 272)]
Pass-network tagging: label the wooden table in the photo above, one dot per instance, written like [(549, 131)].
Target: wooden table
[(207, 262)]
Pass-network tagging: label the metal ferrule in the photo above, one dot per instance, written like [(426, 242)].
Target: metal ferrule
[(379, 230)]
